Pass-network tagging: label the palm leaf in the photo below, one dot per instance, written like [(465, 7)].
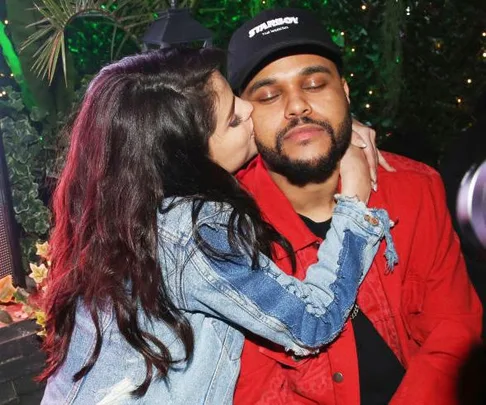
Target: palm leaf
[(112, 46), (56, 15), (58, 43), (40, 66), (120, 46)]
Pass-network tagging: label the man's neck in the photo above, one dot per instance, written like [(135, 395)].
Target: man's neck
[(314, 201)]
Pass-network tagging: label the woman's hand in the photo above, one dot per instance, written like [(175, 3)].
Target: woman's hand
[(365, 138), (355, 174)]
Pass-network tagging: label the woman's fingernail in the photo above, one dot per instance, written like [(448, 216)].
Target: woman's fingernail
[(374, 186)]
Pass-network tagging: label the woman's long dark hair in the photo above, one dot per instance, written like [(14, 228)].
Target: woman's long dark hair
[(141, 134)]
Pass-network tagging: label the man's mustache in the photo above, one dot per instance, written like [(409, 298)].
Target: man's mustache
[(302, 121)]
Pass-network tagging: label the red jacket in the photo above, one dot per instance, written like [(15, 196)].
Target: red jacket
[(426, 309)]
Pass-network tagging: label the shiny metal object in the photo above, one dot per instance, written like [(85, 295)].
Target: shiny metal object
[(471, 204)]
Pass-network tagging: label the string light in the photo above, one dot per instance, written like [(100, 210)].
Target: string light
[(370, 92), (484, 54), (484, 34), (363, 7), (11, 75), (469, 81), (342, 33), (6, 22), (408, 10), (352, 74), (367, 106), (459, 100), (353, 49)]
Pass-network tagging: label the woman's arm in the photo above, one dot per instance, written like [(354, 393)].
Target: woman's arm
[(300, 315)]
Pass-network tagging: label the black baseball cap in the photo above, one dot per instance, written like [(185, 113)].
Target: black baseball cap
[(272, 34)]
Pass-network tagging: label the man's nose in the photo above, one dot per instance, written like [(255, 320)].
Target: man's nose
[(297, 106)]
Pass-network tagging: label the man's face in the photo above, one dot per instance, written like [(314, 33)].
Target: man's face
[(301, 117)]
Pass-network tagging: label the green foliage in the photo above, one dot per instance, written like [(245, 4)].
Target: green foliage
[(93, 42), (127, 20), (443, 47), (57, 15), (29, 154), (51, 99)]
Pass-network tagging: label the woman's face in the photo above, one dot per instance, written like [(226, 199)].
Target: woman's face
[(232, 144)]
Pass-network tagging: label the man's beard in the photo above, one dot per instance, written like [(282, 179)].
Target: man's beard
[(318, 170)]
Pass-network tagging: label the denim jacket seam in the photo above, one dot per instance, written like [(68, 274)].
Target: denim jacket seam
[(241, 301), (370, 230), (220, 282), (210, 210), (271, 322)]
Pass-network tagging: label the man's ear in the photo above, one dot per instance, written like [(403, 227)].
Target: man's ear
[(346, 89)]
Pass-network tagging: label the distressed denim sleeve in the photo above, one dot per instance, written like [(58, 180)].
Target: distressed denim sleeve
[(299, 315)]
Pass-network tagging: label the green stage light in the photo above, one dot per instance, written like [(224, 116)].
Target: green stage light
[(13, 62)]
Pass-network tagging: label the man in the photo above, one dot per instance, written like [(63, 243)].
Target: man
[(412, 325)]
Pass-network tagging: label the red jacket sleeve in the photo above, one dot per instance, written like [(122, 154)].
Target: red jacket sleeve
[(441, 310)]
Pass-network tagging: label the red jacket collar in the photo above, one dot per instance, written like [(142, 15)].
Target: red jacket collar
[(275, 207)]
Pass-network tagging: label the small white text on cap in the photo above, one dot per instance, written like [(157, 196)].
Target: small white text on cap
[(272, 23)]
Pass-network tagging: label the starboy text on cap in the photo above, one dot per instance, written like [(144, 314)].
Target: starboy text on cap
[(272, 23)]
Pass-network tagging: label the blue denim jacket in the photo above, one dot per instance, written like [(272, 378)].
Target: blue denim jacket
[(220, 299)]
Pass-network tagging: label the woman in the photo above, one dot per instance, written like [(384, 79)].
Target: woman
[(159, 258)]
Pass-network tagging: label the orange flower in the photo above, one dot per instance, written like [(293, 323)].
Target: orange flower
[(7, 289)]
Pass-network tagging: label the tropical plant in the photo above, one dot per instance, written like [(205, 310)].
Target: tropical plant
[(131, 17), (34, 154), (29, 150)]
